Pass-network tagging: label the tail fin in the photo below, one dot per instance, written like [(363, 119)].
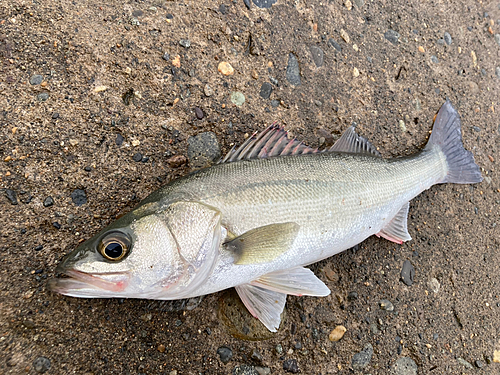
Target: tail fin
[(447, 135)]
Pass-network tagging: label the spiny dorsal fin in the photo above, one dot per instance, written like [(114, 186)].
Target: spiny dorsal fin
[(397, 229), (353, 143), (271, 142)]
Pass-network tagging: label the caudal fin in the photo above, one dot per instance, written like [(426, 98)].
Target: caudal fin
[(446, 133)]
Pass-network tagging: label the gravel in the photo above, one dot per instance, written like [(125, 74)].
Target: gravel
[(43, 96), (293, 70), (137, 157), (447, 38), (392, 36), (11, 196), (186, 43), (434, 59), (497, 39), (405, 366), (41, 365), (334, 44), (317, 55), (407, 273), (386, 305), (225, 354), (245, 370), (119, 139), (464, 363), (264, 3), (203, 149), (265, 90), (290, 365), (49, 201), (79, 197), (362, 359), (237, 98), (36, 79), (199, 113), (434, 285)]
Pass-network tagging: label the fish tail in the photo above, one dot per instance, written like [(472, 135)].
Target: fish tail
[(446, 134)]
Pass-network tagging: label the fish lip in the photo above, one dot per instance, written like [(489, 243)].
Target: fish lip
[(87, 280)]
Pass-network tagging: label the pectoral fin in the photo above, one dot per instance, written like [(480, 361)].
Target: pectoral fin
[(265, 305), (397, 229), (298, 281), (263, 244)]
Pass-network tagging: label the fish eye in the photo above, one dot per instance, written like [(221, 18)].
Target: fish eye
[(114, 246)]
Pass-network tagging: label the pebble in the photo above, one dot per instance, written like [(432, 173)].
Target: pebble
[(186, 43), (208, 91), (434, 285), (41, 365), (176, 161), (479, 363), (166, 56), (11, 196), (237, 98), (407, 273), (119, 139), (290, 365), (464, 363), (348, 4), (225, 354), (203, 149), (496, 356), (137, 157), (386, 305), (264, 3), (225, 68), (497, 72), (434, 59), (79, 197), (405, 366), (362, 359), (275, 103), (334, 44), (161, 348), (392, 36), (352, 296), (265, 90), (317, 55), (337, 333), (359, 3), (199, 113), (497, 39), (345, 36), (293, 70), (43, 96), (56, 225), (49, 201), (447, 38), (55, 116), (36, 79), (245, 370), (256, 356), (355, 72)]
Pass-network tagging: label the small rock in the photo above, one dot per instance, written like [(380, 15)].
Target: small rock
[(55, 116), (225, 354), (434, 285), (11, 196), (386, 305), (176, 61), (317, 55), (496, 356), (176, 161), (119, 139), (208, 91), (334, 44), (405, 366), (421, 49), (352, 296), (199, 113), (359, 3), (348, 4), (245, 370), (36, 79), (79, 197), (337, 333), (49, 201), (293, 70), (447, 38), (497, 72), (290, 365), (263, 370), (345, 36), (464, 363), (41, 365), (256, 356), (254, 74), (237, 98), (161, 348), (479, 363), (362, 359), (223, 8), (275, 103), (166, 56), (355, 72), (265, 90), (137, 157), (279, 349), (407, 273), (497, 39), (186, 43), (56, 225), (225, 68), (43, 96), (203, 149), (392, 36), (434, 59), (264, 3)]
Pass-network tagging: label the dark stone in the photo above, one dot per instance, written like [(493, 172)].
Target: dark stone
[(247, 3), (43, 96), (119, 139), (225, 354), (275, 103), (55, 116), (265, 90), (169, 16), (199, 113), (334, 44), (264, 3), (290, 365), (79, 197), (362, 359), (36, 79), (41, 365), (137, 157), (87, 169), (392, 36), (352, 296), (407, 273), (223, 8), (11, 196), (293, 70), (38, 248), (128, 96), (256, 356), (317, 55), (166, 56), (203, 149), (49, 201), (56, 225), (137, 13)]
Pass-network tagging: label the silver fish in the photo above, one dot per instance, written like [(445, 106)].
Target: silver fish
[(255, 220)]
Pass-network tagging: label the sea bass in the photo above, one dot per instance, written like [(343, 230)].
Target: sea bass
[(254, 221)]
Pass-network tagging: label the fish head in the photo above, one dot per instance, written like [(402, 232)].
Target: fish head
[(152, 252)]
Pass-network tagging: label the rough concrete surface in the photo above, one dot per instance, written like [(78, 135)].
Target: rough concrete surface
[(96, 98)]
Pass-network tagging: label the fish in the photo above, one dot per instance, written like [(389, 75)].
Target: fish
[(255, 220)]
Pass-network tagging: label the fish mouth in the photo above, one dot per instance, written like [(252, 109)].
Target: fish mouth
[(81, 284)]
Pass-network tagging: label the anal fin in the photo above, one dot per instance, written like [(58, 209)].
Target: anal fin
[(397, 229)]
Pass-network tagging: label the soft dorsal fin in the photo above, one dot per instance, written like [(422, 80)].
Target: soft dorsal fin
[(397, 229), (353, 143), (271, 142)]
